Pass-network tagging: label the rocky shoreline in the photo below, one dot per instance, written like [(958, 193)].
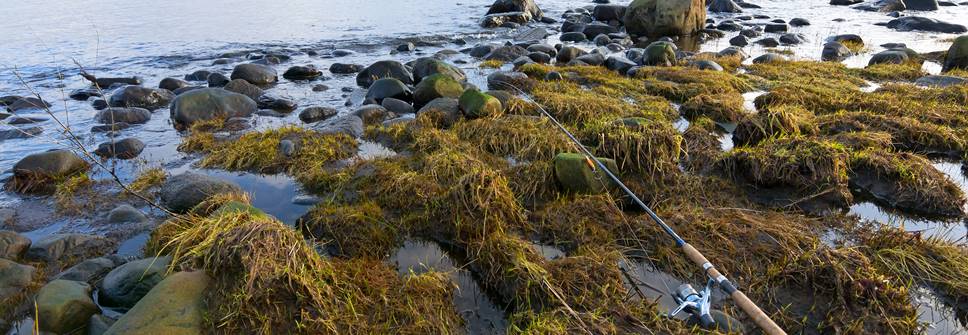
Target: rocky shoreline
[(473, 167)]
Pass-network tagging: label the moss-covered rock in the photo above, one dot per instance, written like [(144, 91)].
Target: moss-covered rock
[(957, 57), (575, 173), (655, 18), (660, 53), (436, 86), (64, 306), (476, 104), (173, 307)]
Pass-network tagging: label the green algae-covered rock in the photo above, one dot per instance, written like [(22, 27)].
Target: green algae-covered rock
[(656, 18), (238, 207), (576, 174), (64, 306), (476, 104), (436, 86), (660, 53), (957, 57), (173, 307)]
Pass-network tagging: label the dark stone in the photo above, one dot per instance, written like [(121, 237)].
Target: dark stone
[(183, 192), (768, 42), (834, 52), (574, 36), (209, 103), (911, 23), (256, 74), (889, 57), (245, 88), (341, 68), (307, 72), (776, 28), (769, 58), (23, 132), (384, 69), (724, 6), (739, 40), (507, 53), (142, 97), (316, 114), (219, 80), (388, 88), (131, 115), (172, 84), (124, 149), (792, 39)]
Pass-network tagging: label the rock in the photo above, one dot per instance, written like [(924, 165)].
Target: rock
[(84, 93), (733, 51), (124, 149), (14, 278), (183, 192), (244, 87), (508, 6), (397, 106), (594, 59), (575, 175), (845, 2), (751, 33), (835, 52), (384, 69), (173, 307), (256, 74), (341, 68), (884, 6), (921, 4), (7, 217), (706, 65), (220, 80), (568, 53), (210, 103), (350, 125), (427, 66), (729, 26), (64, 306), (128, 283), (655, 18), (388, 88), (957, 56), (276, 104), (740, 41), (476, 104), (98, 324), (481, 50), (68, 247), (19, 120), (506, 20), (776, 28), (172, 84), (38, 172), (316, 114), (724, 6), (436, 86), (594, 29), (602, 40), (539, 57), (659, 53), (507, 53), (619, 64), (320, 88), (13, 245), (446, 111), (125, 213), (911, 23), (799, 22), (373, 114), (88, 270), (792, 39), (107, 82), (940, 81), (889, 57), (847, 38), (186, 89), (307, 72), (769, 58), (22, 132), (200, 75), (508, 80), (27, 103), (105, 128), (607, 13), (142, 97)]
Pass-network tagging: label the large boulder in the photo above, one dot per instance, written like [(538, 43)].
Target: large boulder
[(128, 283), (388, 88), (257, 74), (427, 66), (957, 57), (140, 96), (608, 12), (210, 103), (657, 18), (183, 192), (384, 69), (127, 148), (910, 23), (436, 86), (476, 104), (69, 247), (13, 245), (14, 278), (39, 172), (574, 174), (64, 306), (508, 6), (129, 115), (175, 306)]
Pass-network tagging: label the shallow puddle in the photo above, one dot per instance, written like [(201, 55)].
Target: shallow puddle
[(480, 314), (941, 318)]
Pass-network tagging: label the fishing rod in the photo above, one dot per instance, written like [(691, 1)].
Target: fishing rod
[(687, 297)]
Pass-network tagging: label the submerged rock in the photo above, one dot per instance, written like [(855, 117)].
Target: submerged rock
[(20, 132), (183, 192), (654, 18), (175, 306), (208, 104), (64, 306), (940, 81), (27, 103)]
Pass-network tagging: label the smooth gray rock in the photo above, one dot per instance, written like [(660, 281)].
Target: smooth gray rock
[(210, 103), (183, 192), (256, 74), (128, 283)]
